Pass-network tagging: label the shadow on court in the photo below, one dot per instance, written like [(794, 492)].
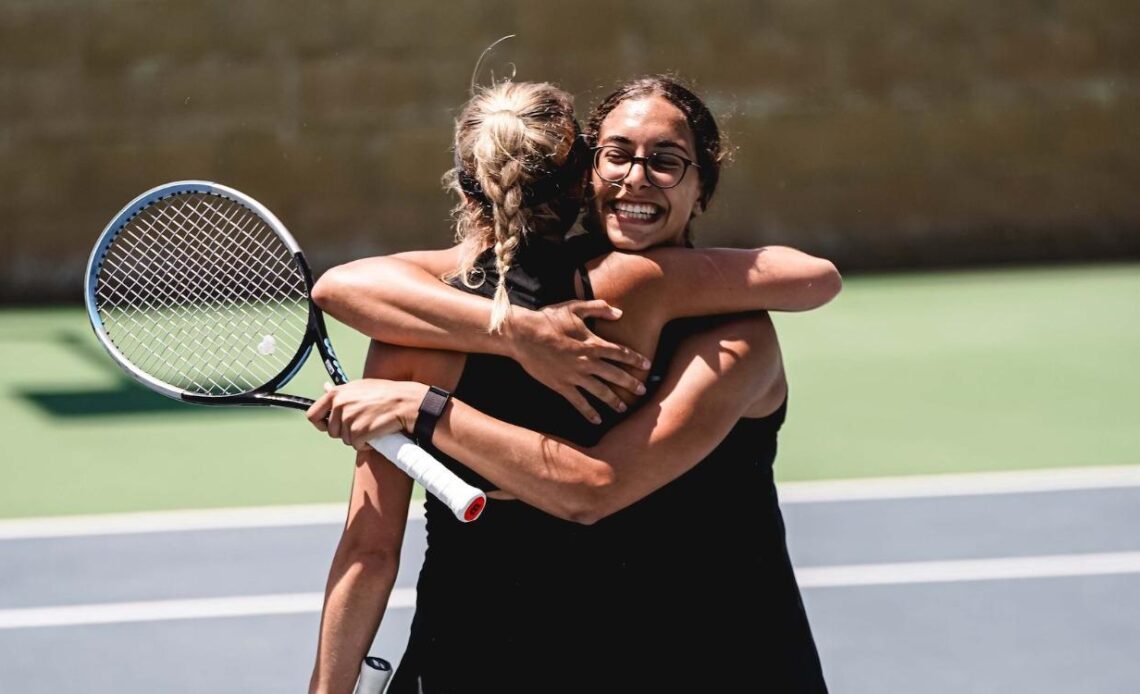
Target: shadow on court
[(125, 398)]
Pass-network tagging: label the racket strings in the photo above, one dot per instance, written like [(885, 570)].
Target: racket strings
[(185, 327), (258, 312), (199, 292), (157, 288), (293, 283), (245, 255), (188, 246), (152, 358), (191, 275)]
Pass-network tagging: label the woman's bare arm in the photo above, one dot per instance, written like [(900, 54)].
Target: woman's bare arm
[(683, 282), (715, 378), (400, 300), (363, 572), (364, 567)]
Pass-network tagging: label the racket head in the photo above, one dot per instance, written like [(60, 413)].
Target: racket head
[(200, 293)]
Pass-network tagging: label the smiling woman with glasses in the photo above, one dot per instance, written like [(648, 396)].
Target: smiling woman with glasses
[(663, 169), (598, 532)]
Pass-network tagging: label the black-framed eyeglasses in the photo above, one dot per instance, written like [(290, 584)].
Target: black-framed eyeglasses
[(662, 169)]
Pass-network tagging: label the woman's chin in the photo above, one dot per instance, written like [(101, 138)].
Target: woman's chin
[(627, 238), (639, 240), (625, 242)]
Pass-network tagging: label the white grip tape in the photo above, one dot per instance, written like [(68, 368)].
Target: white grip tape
[(465, 501)]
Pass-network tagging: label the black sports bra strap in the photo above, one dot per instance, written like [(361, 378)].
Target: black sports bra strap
[(583, 248), (587, 292), (584, 275)]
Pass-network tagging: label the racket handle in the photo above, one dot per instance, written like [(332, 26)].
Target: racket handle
[(465, 501), (374, 674)]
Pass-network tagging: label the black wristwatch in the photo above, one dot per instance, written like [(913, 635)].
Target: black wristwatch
[(430, 411)]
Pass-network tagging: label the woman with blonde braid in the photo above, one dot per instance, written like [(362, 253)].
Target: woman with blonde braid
[(524, 600), (482, 585)]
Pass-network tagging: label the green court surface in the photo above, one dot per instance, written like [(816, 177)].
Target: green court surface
[(902, 374)]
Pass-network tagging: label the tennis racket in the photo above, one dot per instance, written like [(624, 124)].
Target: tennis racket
[(199, 293)]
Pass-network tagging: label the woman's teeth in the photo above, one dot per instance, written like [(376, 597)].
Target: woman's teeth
[(640, 212)]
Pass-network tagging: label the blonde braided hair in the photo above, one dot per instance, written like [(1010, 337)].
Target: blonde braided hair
[(508, 135)]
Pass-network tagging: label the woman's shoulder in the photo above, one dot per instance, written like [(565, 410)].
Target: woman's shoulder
[(660, 272), (619, 275)]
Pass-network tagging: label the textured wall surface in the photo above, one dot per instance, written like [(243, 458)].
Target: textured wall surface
[(882, 134)]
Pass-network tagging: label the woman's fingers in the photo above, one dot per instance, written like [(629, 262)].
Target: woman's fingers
[(357, 412), (580, 403), (608, 350), (560, 351), (600, 391), (358, 437), (318, 412), (362, 445), (619, 377), (334, 422), (594, 308), (620, 354), (346, 425)]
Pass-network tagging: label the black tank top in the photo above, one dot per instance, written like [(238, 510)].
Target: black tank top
[(500, 600), (547, 605)]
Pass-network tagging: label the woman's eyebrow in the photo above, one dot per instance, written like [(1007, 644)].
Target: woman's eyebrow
[(671, 143), (623, 140)]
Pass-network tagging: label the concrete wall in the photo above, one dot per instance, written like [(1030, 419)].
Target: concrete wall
[(882, 134)]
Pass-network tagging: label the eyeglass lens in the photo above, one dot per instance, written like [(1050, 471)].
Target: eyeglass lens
[(663, 169)]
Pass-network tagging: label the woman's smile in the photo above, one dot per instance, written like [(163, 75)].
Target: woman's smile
[(636, 212)]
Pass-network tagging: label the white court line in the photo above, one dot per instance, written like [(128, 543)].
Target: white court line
[(962, 484), (918, 486), (177, 521), (160, 610), (955, 571), (1004, 568)]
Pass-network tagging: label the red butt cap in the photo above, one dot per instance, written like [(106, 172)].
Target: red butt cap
[(474, 509)]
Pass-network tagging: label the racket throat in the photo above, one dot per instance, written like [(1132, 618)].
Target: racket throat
[(294, 402)]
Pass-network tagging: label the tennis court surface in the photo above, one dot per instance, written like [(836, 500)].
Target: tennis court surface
[(988, 590), (1006, 561)]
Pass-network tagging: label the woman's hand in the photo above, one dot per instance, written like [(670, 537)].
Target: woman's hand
[(556, 348), (360, 411)]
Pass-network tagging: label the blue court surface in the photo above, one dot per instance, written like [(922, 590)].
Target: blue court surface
[(1006, 582)]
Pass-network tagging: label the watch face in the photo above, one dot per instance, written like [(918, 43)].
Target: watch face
[(435, 400), (430, 409)]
